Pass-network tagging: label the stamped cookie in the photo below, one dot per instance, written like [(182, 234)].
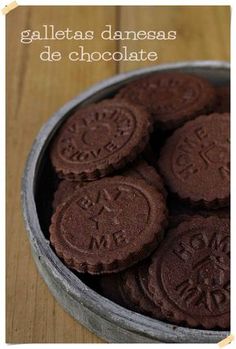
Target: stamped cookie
[(108, 225), (176, 219), (195, 161), (112, 287), (135, 282), (64, 190), (171, 98), (98, 139), (141, 170), (149, 155), (190, 273), (178, 212), (222, 99)]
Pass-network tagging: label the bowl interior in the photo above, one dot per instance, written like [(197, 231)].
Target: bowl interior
[(45, 181)]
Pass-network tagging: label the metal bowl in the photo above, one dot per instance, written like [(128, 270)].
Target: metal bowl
[(103, 317)]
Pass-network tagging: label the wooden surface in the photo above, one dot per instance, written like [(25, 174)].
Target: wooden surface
[(36, 89)]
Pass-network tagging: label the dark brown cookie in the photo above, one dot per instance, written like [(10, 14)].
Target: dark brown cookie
[(139, 169), (190, 273), (178, 212), (222, 99), (111, 287), (64, 190), (98, 139), (195, 161), (157, 140), (135, 284), (175, 220), (171, 98), (108, 225), (149, 155)]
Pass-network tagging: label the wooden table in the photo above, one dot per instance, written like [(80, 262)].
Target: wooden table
[(36, 89)]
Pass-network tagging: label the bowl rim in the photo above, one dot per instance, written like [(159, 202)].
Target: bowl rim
[(124, 318)]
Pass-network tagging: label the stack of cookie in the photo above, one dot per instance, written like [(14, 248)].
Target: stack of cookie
[(143, 198)]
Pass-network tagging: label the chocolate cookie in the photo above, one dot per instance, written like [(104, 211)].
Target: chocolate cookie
[(190, 273), (135, 282), (108, 225), (171, 98), (222, 99), (149, 155), (178, 212), (64, 190), (195, 161), (98, 139), (111, 287), (176, 219), (141, 170)]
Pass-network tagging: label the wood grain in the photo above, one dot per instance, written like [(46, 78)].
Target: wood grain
[(36, 89), (202, 32)]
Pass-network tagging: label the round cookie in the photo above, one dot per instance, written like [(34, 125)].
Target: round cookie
[(149, 155), (64, 190), (179, 212), (222, 99), (135, 282), (98, 139), (195, 161), (108, 225), (171, 98), (112, 287), (139, 169), (176, 219), (190, 273)]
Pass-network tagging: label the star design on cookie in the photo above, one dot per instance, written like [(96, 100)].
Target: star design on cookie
[(115, 211)]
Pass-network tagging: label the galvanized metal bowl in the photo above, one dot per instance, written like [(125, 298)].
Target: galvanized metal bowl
[(103, 317)]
